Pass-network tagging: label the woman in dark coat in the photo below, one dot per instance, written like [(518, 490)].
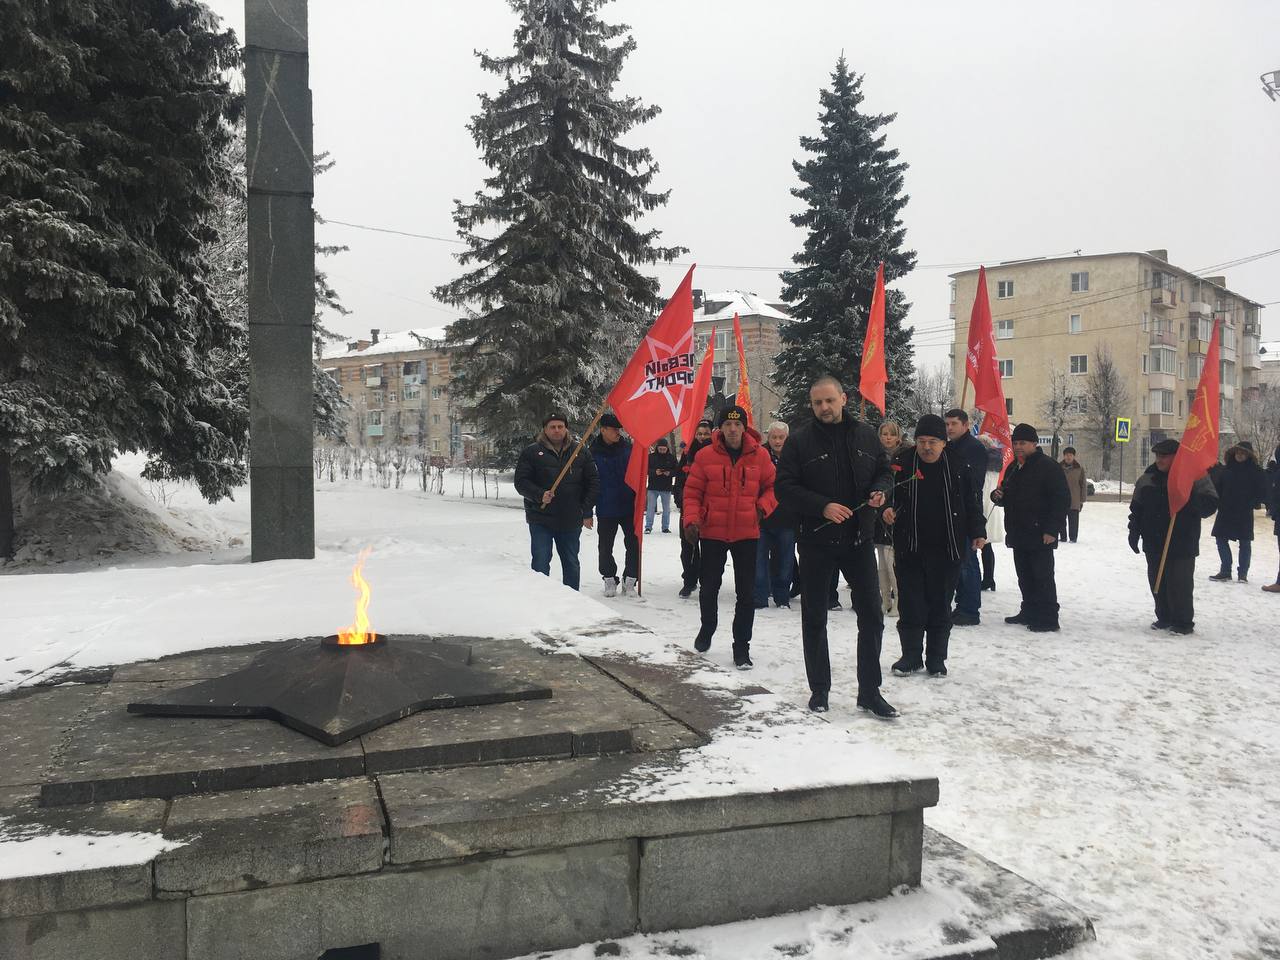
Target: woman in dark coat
[(1242, 488)]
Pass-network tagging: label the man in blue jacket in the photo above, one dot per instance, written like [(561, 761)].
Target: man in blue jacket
[(614, 507), (968, 449)]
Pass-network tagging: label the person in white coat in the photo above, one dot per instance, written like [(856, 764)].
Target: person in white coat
[(995, 518)]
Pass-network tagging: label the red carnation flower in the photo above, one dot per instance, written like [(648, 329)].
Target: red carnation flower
[(919, 475), (895, 467)]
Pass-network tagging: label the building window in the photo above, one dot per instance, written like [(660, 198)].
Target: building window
[(375, 418), (391, 396), (1145, 321), (437, 393), (1077, 405), (953, 291), (1144, 408), (1079, 363), (1004, 289), (1164, 360), (1162, 401), (412, 393), (720, 369), (435, 444), (722, 341), (1074, 324), (1008, 407), (1227, 337), (1006, 369), (377, 398), (1227, 373), (1182, 331), (1179, 408), (1080, 282), (1144, 363), (1004, 329), (1145, 448)]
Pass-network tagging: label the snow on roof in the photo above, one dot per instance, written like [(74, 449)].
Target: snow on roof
[(400, 341), (1270, 351), (741, 302)]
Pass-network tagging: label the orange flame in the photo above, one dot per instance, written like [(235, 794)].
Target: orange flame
[(359, 631)]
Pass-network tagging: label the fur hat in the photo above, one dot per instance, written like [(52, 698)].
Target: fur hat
[(555, 416), (931, 425), (1025, 431), (611, 420)]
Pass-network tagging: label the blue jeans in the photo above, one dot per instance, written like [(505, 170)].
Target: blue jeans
[(969, 589), (782, 544), (1224, 554), (541, 538), (652, 507)]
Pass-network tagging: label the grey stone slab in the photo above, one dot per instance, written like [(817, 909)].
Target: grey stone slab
[(282, 513), (462, 812), (667, 688), (278, 121), (115, 755), (74, 889), (499, 907), (1024, 920), (35, 723), (693, 881), (199, 664), (664, 735), (276, 24), (252, 838), (149, 931), (906, 843), (280, 372)]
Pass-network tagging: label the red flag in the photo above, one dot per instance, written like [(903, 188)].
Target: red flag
[(1198, 450), (701, 388), (743, 397), (872, 377), (982, 367), (656, 388)]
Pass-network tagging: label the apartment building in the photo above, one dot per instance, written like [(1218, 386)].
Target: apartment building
[(761, 340), (398, 389), (1054, 317)]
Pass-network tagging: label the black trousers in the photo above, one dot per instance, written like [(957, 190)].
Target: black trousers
[(607, 528), (1039, 589), (857, 561), (1175, 604), (714, 555), (1070, 527), (926, 585), (988, 564), (690, 561)]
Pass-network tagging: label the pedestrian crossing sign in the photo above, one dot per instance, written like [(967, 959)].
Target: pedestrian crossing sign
[(1122, 429)]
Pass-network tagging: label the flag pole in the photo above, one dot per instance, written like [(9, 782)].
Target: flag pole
[(964, 392), (1164, 554), (578, 449)]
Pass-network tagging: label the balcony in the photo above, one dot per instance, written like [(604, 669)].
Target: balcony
[(1198, 308), (1251, 360), (373, 430), (1162, 381), (1198, 347), (412, 379), (1164, 297), (1164, 421), (1163, 338), (373, 381)]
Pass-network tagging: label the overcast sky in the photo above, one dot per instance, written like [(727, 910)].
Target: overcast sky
[(1031, 129)]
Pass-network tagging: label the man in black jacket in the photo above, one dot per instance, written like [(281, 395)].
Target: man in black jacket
[(1035, 499), (936, 520), (776, 551), (690, 553), (556, 517), (972, 455), (833, 474), (1149, 523), (662, 476)]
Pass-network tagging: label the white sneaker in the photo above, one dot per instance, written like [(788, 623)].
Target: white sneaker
[(628, 586), (610, 586)]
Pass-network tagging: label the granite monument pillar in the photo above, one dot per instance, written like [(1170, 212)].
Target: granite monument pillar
[(281, 279)]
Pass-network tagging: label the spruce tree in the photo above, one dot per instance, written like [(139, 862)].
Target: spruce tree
[(555, 299), (113, 117), (852, 186)]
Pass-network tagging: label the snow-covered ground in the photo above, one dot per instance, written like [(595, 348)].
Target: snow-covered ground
[(1133, 773)]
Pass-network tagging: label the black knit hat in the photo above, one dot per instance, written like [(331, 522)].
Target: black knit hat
[(555, 416), (1165, 446), (1025, 431), (931, 425), (706, 423), (734, 412), (611, 420)]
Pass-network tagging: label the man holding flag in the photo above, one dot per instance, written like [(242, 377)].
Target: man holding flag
[(1172, 497)]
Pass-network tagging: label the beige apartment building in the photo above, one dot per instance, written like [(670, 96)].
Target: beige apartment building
[(761, 340), (1054, 316)]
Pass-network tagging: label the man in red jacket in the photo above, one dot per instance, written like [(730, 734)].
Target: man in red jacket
[(729, 489)]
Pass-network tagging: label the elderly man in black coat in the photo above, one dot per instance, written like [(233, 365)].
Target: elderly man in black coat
[(1242, 488), (1149, 523), (1035, 499)]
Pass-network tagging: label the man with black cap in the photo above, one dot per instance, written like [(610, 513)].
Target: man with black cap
[(1035, 499), (729, 489), (969, 451), (936, 518), (615, 507), (834, 475), (1149, 523), (556, 516), (690, 555)]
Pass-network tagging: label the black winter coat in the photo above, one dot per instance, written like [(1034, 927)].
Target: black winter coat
[(1242, 488), (1035, 500), (964, 507), (781, 518), (685, 465), (1149, 514), (536, 471), (1273, 495), (883, 534), (970, 451), (807, 481), (662, 471)]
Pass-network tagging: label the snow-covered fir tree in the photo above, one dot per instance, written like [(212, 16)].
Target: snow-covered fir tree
[(114, 115), (852, 187), (555, 298), (228, 257)]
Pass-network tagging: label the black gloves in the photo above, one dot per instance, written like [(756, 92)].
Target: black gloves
[(691, 532), (1133, 543)]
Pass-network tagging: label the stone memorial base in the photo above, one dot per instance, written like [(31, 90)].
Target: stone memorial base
[(474, 832)]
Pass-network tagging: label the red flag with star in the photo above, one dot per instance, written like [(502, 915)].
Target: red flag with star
[(1198, 449), (873, 376)]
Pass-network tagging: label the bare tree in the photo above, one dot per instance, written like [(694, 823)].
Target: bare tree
[(932, 391), (1063, 392), (1258, 419), (1106, 398)]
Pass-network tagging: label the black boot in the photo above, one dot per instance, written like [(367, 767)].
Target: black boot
[(1018, 617), (818, 701), (877, 705), (702, 642)]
